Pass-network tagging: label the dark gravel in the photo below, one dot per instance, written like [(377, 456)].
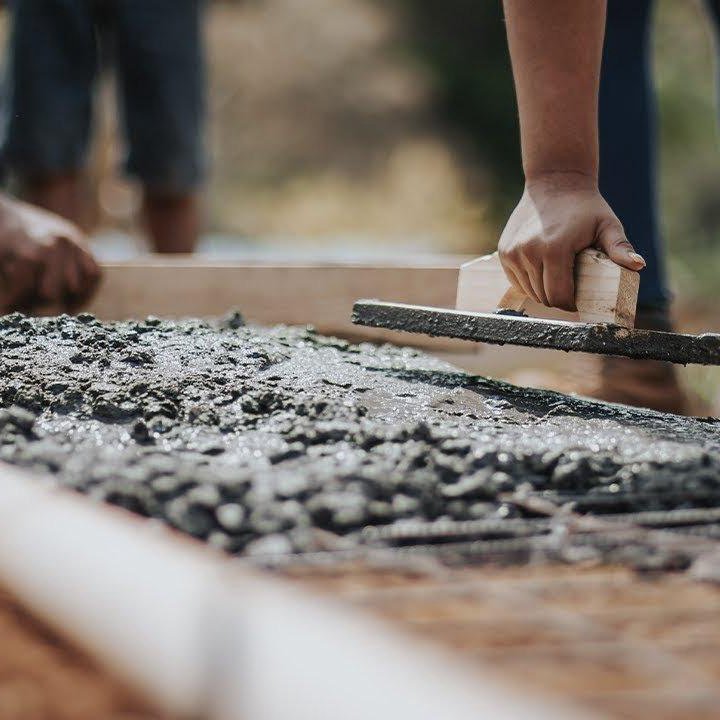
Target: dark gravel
[(275, 440)]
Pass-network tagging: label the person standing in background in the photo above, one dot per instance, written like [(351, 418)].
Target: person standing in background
[(55, 52)]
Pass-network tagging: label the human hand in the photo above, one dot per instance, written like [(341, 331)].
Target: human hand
[(43, 260), (558, 216)]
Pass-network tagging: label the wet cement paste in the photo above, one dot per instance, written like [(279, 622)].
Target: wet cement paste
[(272, 440)]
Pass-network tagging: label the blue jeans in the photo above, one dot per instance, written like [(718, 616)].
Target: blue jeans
[(628, 137), (55, 53)]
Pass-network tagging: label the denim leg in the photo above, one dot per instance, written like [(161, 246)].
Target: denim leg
[(628, 139), (161, 77), (52, 57), (713, 7)]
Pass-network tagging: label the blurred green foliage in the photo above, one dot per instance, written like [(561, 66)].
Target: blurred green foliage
[(685, 81), (685, 49), (461, 44)]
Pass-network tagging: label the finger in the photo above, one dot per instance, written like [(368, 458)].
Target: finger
[(512, 276), (5, 280), (87, 272), (611, 239), (512, 264), (91, 275), (52, 277), (522, 282), (535, 275), (20, 276), (76, 283), (69, 258), (559, 281), (72, 272)]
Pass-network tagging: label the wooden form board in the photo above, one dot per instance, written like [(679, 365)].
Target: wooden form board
[(605, 292), (295, 294)]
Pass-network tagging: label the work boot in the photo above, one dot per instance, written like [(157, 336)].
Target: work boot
[(650, 384)]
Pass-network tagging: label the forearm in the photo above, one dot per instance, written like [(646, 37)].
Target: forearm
[(556, 50)]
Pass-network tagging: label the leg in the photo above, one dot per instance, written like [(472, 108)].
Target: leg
[(48, 112), (713, 8), (628, 139), (172, 220), (161, 80), (628, 182)]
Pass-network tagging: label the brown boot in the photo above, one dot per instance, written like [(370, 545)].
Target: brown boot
[(643, 383)]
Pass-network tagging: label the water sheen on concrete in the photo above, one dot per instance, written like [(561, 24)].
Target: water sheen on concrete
[(264, 440)]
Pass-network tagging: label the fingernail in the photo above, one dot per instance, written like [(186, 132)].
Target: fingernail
[(637, 258)]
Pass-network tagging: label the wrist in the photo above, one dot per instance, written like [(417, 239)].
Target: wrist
[(561, 180)]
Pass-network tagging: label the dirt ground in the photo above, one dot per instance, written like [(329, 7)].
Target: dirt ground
[(604, 638)]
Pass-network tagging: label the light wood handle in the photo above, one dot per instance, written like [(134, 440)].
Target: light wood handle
[(604, 291), (513, 299)]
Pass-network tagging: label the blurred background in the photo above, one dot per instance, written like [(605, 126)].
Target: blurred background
[(369, 126), (371, 122)]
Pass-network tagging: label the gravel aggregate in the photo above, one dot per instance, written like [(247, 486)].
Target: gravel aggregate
[(278, 440)]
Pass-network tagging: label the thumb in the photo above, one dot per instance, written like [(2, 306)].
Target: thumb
[(612, 241)]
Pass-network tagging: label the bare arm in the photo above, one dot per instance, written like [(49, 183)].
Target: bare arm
[(556, 48), (556, 51)]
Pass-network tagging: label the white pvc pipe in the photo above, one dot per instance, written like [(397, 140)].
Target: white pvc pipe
[(122, 591), (200, 637), (307, 659)]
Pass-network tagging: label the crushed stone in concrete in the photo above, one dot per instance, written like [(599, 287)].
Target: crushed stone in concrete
[(279, 440)]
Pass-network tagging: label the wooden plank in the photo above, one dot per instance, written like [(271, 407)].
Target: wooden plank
[(295, 294), (605, 292)]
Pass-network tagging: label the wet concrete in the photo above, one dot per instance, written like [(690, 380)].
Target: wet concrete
[(272, 440), (504, 329)]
